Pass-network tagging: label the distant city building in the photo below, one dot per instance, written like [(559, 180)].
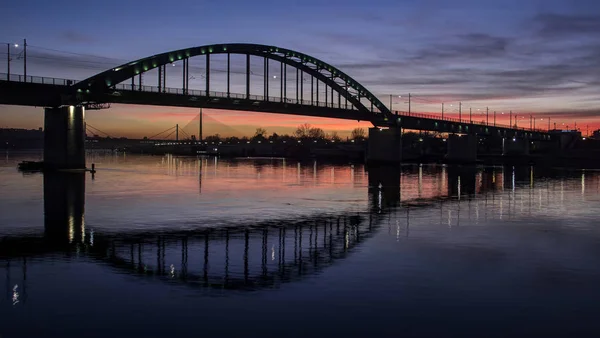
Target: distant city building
[(596, 134), (12, 138)]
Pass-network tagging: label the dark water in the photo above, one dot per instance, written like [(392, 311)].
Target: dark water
[(164, 246)]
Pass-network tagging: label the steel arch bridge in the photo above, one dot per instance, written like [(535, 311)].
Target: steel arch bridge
[(344, 97), (312, 88)]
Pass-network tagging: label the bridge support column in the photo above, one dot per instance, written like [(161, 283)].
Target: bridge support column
[(516, 147), (462, 148), (64, 138), (385, 145)]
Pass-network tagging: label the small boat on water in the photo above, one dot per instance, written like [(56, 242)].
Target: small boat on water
[(31, 166), (37, 166)]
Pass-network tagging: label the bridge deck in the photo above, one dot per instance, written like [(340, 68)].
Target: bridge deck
[(44, 92)]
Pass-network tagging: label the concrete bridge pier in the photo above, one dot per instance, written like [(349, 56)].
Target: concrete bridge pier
[(462, 148), (64, 137), (516, 146), (385, 145)]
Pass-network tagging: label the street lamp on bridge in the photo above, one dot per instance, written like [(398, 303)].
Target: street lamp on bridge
[(531, 122), (443, 110), (453, 110), (484, 115), (399, 96), (8, 59), (541, 119), (517, 120)]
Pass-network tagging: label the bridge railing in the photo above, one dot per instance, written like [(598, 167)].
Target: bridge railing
[(36, 79), (473, 122)]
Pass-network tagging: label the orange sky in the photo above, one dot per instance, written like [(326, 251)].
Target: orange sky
[(136, 121)]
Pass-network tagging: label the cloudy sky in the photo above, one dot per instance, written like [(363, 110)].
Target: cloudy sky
[(538, 57)]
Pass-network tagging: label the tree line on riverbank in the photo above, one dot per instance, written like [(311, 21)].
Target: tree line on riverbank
[(303, 132)]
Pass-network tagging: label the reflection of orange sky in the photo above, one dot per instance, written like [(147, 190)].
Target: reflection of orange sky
[(138, 121), (282, 181), (278, 177)]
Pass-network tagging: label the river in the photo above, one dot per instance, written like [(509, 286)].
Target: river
[(159, 246)]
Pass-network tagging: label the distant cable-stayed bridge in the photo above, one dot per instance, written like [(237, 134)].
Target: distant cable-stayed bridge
[(201, 124)]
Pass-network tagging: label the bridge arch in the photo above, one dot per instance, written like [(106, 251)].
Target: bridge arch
[(347, 87)]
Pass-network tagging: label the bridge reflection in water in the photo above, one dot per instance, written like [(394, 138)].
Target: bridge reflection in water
[(234, 257), (270, 253)]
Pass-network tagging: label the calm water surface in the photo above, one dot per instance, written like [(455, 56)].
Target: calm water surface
[(167, 246)]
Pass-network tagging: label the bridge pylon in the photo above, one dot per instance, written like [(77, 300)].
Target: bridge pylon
[(385, 145), (462, 148), (64, 137)]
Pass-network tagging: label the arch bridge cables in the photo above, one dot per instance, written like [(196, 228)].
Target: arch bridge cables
[(351, 95)]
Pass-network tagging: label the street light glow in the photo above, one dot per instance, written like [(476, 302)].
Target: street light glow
[(16, 45)]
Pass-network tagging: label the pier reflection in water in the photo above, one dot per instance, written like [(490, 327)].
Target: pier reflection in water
[(472, 237)]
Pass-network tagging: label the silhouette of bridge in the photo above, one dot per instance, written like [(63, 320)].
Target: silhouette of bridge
[(317, 89), (304, 86)]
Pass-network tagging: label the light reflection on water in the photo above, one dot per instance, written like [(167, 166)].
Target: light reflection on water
[(182, 242)]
